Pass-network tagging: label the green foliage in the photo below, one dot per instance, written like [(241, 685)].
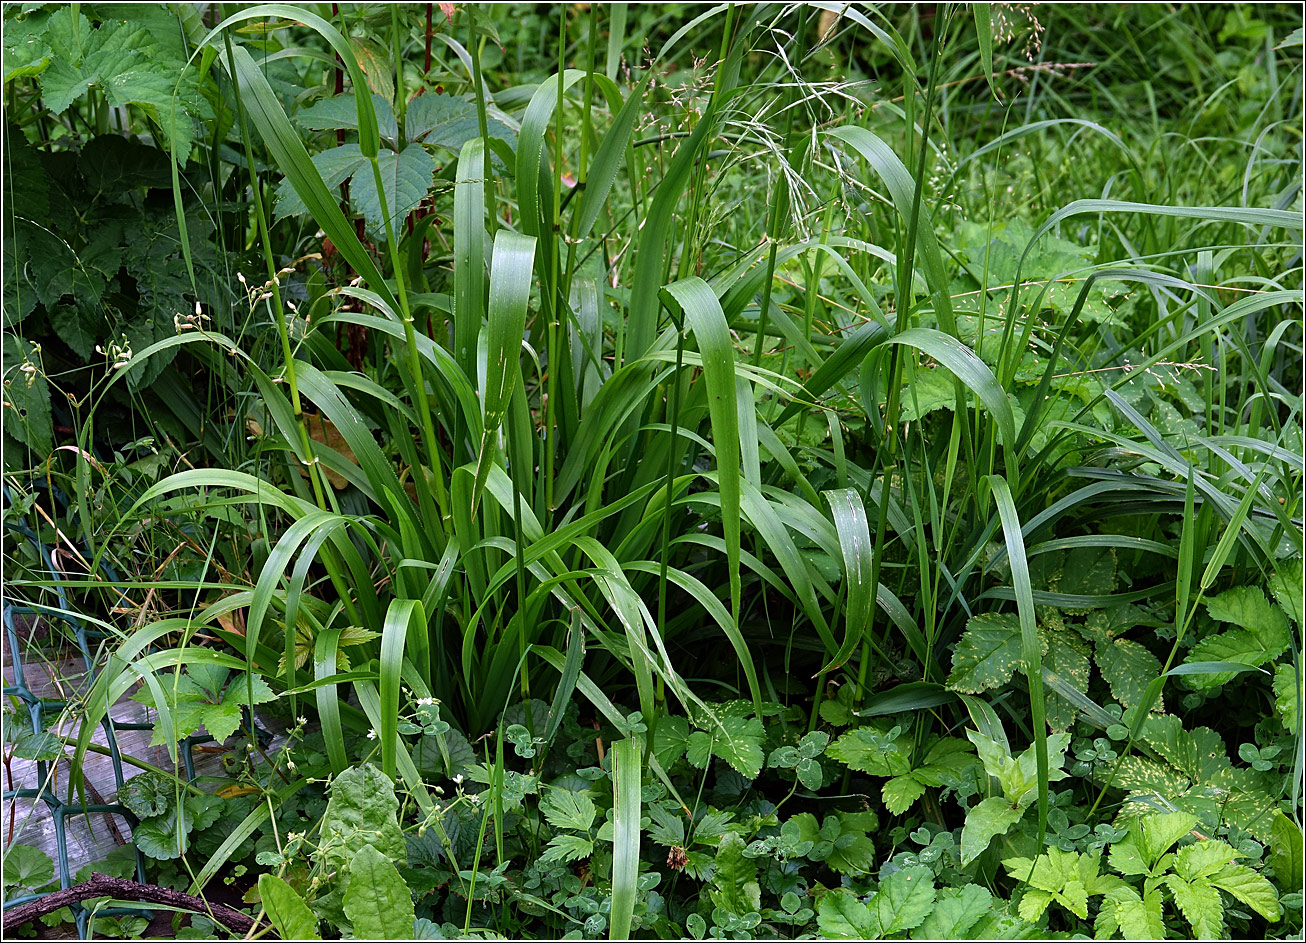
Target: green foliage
[(377, 901), (208, 696)]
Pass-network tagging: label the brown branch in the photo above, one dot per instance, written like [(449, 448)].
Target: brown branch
[(102, 885)]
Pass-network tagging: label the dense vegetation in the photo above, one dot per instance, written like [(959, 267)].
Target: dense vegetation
[(678, 471)]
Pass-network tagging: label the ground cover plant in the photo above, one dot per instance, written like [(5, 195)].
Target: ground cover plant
[(744, 471)]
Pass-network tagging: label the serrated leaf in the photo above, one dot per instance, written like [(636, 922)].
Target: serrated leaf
[(904, 900), (873, 750), (563, 808), (1128, 667), (900, 793), (841, 916), (1287, 696), (1200, 860), (376, 900), (340, 112), (1286, 851), (987, 653), (733, 738), (1200, 904), (567, 848), (449, 122), (1138, 918), (670, 739), (957, 910), (927, 391), (26, 398), (1251, 888)]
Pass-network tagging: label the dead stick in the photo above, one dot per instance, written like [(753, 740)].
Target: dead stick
[(102, 885)]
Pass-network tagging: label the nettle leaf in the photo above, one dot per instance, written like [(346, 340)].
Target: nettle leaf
[(1128, 667), (125, 60), (1287, 696), (26, 397), (406, 175), (563, 808), (362, 810), (340, 113), (449, 122), (876, 749), (377, 901), (987, 653), (1089, 571), (734, 886), (1262, 634)]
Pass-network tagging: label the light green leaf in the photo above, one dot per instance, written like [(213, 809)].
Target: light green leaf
[(841, 916), (734, 885), (872, 749), (286, 909), (957, 910), (563, 808), (567, 848), (985, 820), (377, 901), (27, 867), (900, 793), (1251, 888), (1200, 904), (362, 810)]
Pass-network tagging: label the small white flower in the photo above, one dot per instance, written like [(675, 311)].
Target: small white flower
[(301, 720), (458, 780), (371, 734), (426, 701)]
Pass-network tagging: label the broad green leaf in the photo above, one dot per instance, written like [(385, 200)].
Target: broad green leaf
[(1201, 906), (874, 750), (286, 909), (450, 122), (1251, 888), (841, 916), (734, 885), (362, 810), (957, 910), (377, 901), (1128, 667), (27, 867), (904, 900), (147, 794), (735, 739), (1198, 861), (987, 654), (1286, 850), (900, 793), (985, 820)]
